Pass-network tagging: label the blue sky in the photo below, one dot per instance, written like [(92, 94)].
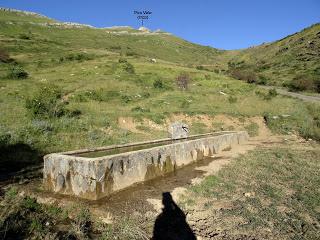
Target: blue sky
[(225, 24)]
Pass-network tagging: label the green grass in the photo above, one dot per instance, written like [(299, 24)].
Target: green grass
[(304, 121), (284, 194), (252, 129), (92, 85), (279, 62), (25, 217)]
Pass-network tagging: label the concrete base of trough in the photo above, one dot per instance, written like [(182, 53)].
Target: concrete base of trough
[(95, 178)]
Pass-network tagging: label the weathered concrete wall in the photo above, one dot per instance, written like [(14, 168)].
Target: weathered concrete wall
[(95, 178)]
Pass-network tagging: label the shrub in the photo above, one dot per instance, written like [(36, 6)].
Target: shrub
[(267, 96), (317, 85), (42, 126), (125, 67), (4, 56), (5, 139), (200, 67), (183, 81), (17, 72), (76, 57), (232, 99), (122, 60), (125, 228), (252, 129), (158, 83), (47, 102), (24, 36), (131, 53), (245, 75), (302, 83), (82, 222), (126, 98), (140, 109), (262, 80), (272, 92), (185, 104)]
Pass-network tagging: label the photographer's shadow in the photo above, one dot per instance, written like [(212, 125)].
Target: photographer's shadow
[(171, 224)]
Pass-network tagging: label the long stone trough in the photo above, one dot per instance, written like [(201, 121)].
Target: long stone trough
[(96, 173)]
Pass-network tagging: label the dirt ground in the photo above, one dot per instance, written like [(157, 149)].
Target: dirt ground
[(213, 123)]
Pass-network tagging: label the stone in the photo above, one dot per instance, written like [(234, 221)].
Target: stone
[(97, 177), (178, 130)]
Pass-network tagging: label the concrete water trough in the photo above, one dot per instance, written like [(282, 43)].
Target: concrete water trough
[(96, 173)]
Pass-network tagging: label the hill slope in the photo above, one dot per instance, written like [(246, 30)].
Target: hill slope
[(32, 34), (66, 86), (292, 59)]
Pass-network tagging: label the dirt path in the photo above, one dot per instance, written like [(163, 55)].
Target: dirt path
[(293, 94), (222, 159)]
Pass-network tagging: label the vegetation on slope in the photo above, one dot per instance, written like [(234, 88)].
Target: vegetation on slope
[(93, 78), (292, 62)]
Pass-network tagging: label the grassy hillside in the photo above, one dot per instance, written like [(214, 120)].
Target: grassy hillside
[(293, 61), (66, 87), (51, 40)]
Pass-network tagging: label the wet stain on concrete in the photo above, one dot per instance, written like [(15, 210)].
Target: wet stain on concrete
[(134, 198)]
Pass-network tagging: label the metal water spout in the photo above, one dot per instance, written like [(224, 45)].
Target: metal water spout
[(178, 130)]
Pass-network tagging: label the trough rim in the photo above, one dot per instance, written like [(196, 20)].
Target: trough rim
[(70, 154)]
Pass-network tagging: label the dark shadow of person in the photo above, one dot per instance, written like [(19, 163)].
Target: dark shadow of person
[(171, 223)]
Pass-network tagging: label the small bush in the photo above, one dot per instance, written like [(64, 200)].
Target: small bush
[(76, 57), (125, 228), (200, 67), (303, 83), (122, 60), (82, 222), (125, 67), (245, 75), (262, 80), (42, 126), (5, 139), (10, 194), (232, 99), (140, 109), (158, 83), (252, 129), (100, 95), (273, 92), (267, 96), (185, 104), (132, 53), (47, 103), (183, 81), (24, 36), (126, 98), (17, 72), (4, 56)]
